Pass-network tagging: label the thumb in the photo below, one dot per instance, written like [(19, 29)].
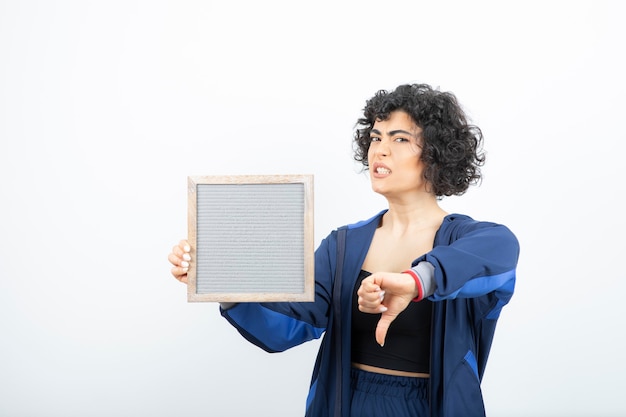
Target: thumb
[(385, 321)]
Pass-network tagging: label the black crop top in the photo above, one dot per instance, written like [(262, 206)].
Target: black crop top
[(407, 346)]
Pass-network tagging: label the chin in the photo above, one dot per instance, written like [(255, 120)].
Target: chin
[(378, 190)]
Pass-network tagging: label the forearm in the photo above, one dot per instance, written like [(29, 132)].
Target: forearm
[(272, 330), (482, 260)]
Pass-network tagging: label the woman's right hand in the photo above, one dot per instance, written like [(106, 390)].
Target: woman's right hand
[(180, 259)]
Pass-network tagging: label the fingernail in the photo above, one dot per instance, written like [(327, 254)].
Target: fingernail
[(383, 309), (184, 264), (185, 270), (382, 295), (186, 257), (187, 248)]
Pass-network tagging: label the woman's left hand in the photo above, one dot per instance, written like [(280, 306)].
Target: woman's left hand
[(386, 293)]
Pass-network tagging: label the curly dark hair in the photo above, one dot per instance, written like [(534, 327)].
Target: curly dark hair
[(452, 147)]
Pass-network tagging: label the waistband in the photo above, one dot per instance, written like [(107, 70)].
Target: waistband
[(388, 385)]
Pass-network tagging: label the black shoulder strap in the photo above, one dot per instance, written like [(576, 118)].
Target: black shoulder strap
[(341, 249)]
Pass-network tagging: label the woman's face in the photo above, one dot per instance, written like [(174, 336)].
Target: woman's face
[(394, 156)]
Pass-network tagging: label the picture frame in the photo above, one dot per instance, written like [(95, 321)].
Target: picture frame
[(251, 238)]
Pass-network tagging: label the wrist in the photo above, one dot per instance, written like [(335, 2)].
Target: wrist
[(419, 287)]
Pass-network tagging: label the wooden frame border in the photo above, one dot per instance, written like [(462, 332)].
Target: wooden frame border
[(308, 256)]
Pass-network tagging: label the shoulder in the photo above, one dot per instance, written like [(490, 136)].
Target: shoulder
[(371, 222), (360, 231), (457, 220), (457, 225), (361, 226)]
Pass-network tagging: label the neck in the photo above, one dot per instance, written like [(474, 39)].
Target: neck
[(413, 215)]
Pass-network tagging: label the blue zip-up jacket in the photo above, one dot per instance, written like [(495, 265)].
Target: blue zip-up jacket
[(474, 277)]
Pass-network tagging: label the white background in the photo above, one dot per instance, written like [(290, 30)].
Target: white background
[(107, 106)]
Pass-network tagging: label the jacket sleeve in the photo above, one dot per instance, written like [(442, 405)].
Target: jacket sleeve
[(478, 258), (277, 326)]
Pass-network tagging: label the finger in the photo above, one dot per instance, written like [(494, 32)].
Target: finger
[(369, 290), (180, 273), (182, 250), (184, 245), (369, 294), (369, 297), (374, 310), (180, 263), (382, 327), (371, 302), (179, 260), (369, 285)]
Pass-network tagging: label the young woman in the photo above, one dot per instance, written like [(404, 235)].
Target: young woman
[(408, 328)]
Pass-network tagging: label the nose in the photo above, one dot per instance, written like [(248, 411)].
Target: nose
[(382, 147)]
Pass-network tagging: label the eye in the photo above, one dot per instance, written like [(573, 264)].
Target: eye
[(374, 139), (401, 139)]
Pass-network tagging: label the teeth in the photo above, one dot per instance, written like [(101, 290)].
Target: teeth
[(381, 170)]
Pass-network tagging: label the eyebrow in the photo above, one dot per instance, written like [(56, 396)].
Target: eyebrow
[(394, 132)]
